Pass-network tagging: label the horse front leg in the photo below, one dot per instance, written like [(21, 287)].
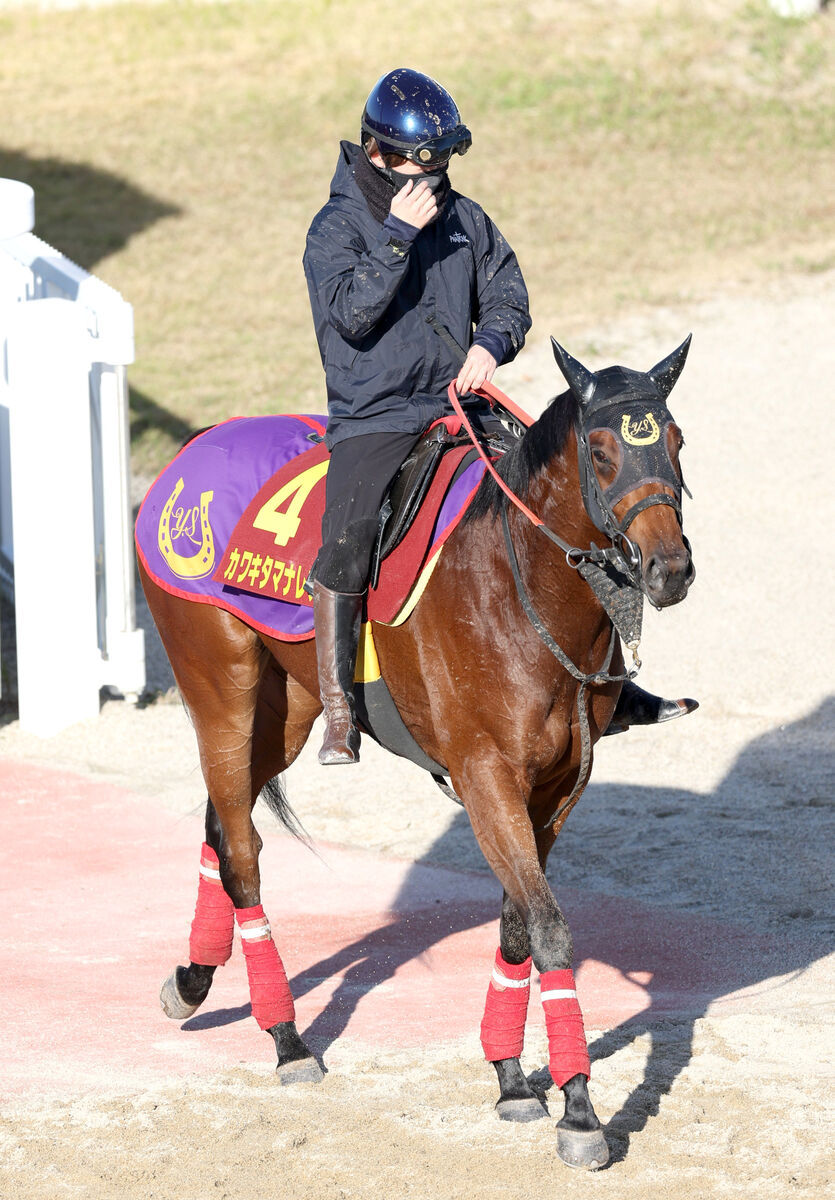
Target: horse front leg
[(505, 1013), (498, 809)]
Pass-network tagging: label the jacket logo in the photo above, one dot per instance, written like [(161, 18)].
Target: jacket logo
[(460, 238)]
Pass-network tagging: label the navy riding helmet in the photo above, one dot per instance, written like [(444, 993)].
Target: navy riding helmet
[(410, 114)]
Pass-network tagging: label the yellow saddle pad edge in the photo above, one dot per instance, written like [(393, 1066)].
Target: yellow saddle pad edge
[(367, 669), (416, 592), (368, 665)]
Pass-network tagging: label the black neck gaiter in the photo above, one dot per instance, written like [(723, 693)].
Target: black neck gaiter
[(378, 189)]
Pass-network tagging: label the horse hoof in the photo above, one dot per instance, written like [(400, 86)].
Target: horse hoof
[(584, 1149), (300, 1070), (525, 1108), (173, 1004)]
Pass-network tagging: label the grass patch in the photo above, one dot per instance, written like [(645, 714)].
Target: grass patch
[(631, 155)]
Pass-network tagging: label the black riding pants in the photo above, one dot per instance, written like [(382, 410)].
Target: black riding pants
[(360, 473)]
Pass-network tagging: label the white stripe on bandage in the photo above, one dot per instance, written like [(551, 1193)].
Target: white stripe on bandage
[(250, 935), (503, 981), (209, 872), (559, 994)]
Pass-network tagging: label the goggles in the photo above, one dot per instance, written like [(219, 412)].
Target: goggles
[(433, 152)]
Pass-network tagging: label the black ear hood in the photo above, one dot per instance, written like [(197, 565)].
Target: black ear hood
[(632, 406), (665, 374), (595, 390)]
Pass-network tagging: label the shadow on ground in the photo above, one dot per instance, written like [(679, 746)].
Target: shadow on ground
[(709, 886)]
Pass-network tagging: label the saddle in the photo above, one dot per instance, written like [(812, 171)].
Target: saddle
[(414, 479)]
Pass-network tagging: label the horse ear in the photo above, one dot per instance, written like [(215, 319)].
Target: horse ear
[(665, 373), (581, 381)]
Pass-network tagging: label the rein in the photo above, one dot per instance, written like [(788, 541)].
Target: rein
[(598, 677), (575, 557), (623, 554)]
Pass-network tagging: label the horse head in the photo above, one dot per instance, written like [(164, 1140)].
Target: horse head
[(628, 452)]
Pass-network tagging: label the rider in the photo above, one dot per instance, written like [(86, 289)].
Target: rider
[(406, 277)]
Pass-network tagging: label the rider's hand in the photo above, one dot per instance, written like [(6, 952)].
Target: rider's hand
[(478, 369), (415, 204)]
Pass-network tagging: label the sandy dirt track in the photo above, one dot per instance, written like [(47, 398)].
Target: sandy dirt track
[(727, 815)]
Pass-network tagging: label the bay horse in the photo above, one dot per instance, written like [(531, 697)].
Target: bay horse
[(507, 672)]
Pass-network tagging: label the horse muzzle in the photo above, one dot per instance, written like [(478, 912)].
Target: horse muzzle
[(667, 577)]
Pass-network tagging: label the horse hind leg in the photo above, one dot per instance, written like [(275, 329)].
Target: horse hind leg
[(187, 987), (284, 716), (212, 933), (224, 706)]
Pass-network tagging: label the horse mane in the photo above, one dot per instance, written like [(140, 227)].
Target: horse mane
[(536, 449)]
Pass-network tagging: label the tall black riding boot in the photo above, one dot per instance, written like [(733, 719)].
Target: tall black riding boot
[(637, 707), (338, 618)]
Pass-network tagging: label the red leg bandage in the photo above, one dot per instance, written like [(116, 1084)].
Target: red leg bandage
[(505, 1010), (269, 991), (568, 1053), (213, 926)]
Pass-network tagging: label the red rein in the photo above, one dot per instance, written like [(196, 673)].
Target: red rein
[(492, 393)]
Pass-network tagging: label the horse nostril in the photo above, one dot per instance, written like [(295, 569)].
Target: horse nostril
[(668, 576), (655, 573)]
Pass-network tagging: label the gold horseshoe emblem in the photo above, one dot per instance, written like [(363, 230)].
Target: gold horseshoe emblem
[(192, 566), (640, 433)]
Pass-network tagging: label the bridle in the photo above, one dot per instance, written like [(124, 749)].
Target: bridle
[(622, 554), (657, 467)]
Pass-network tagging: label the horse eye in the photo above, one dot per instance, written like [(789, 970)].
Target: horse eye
[(600, 457)]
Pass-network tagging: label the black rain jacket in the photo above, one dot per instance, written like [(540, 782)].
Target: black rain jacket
[(386, 368)]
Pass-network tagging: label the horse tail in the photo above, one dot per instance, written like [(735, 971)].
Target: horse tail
[(274, 795)]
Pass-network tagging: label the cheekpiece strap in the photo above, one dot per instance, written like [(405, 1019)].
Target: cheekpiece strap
[(649, 502)]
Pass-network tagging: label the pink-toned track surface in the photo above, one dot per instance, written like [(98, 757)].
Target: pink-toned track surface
[(97, 891)]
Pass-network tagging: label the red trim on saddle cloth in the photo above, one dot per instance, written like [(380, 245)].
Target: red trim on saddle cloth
[(313, 423), (568, 1053), (505, 1010), (269, 991), (213, 926)]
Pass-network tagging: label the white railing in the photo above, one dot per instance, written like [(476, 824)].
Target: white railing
[(66, 546)]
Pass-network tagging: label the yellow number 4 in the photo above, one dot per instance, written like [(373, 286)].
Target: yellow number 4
[(285, 525)]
